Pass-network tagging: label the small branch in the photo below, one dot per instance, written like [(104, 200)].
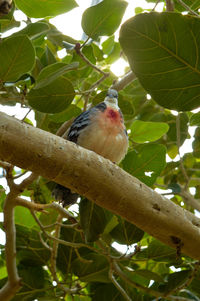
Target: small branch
[(40, 207), (118, 286), (134, 284), (14, 282), (20, 175), (71, 226), (155, 5), (124, 81), (4, 165), (189, 199), (178, 134), (64, 127), (26, 115), (79, 52), (85, 42), (55, 250), (188, 8), (44, 243), (169, 5)]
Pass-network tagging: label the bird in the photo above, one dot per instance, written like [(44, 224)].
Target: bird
[(100, 129)]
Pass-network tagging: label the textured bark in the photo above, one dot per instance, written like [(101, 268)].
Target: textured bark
[(99, 180)]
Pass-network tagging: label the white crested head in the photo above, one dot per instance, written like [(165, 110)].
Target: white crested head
[(111, 99)]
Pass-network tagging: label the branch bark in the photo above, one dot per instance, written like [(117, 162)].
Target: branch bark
[(99, 180)]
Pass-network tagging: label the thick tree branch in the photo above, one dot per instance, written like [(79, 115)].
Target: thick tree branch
[(99, 180)]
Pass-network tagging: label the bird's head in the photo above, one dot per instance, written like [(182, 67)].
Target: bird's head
[(111, 99)]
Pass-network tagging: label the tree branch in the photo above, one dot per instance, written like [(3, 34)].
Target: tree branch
[(124, 81), (99, 180)]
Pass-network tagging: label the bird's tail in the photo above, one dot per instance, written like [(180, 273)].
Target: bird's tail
[(64, 195)]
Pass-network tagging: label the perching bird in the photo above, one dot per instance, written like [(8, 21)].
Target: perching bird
[(100, 129)]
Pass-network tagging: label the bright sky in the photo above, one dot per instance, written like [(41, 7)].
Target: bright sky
[(70, 24)]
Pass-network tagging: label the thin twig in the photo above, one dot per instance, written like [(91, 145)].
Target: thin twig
[(85, 42), (118, 286), (71, 226), (26, 115), (188, 8), (64, 127), (44, 243), (84, 58), (178, 134), (155, 5), (55, 250), (132, 283), (40, 207), (20, 175)]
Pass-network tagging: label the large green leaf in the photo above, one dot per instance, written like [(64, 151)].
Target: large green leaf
[(195, 119), (43, 8), (146, 163), (105, 292), (24, 218), (17, 56), (34, 30), (52, 98), (157, 251), (163, 51), (92, 219), (126, 233), (104, 18), (30, 250), (96, 269), (52, 72), (142, 131), (71, 111)]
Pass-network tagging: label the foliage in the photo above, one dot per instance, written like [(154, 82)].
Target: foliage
[(163, 52)]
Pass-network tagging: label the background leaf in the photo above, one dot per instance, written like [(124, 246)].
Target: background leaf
[(104, 18), (92, 219), (52, 72), (17, 57), (52, 98), (146, 163), (157, 47), (42, 8), (142, 131)]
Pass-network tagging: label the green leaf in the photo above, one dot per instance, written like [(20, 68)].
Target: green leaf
[(43, 8), (105, 292), (149, 275), (3, 272), (52, 72), (32, 276), (175, 280), (172, 132), (108, 45), (92, 219), (52, 98), (163, 52), (143, 131), (71, 111), (146, 163), (104, 18), (17, 57), (96, 270), (30, 250), (24, 218), (126, 233), (34, 30), (158, 252), (195, 119)]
